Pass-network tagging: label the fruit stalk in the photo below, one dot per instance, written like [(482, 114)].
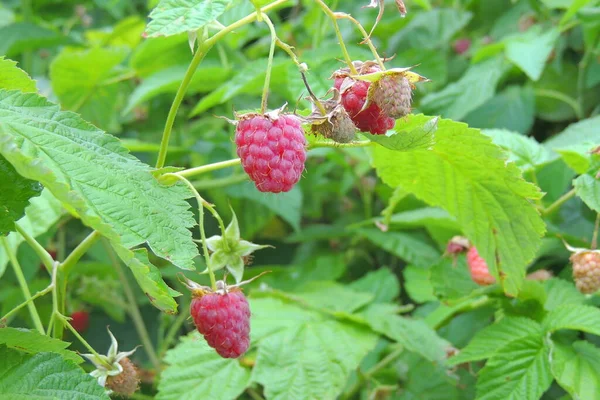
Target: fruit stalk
[(265, 93), (338, 33)]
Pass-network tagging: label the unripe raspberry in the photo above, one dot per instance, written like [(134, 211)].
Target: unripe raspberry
[(586, 270), (331, 120), (479, 268), (272, 150), (126, 383), (393, 94), (224, 321)]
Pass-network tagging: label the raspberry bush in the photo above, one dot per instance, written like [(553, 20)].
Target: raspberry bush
[(284, 199)]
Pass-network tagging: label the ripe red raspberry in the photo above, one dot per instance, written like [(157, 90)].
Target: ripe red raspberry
[(272, 150), (80, 321), (586, 270), (127, 382), (224, 321), (479, 268), (371, 119)]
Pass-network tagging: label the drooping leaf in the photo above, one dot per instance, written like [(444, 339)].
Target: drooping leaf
[(530, 50), (475, 87), (577, 369), (489, 340), (196, 371), (95, 178), (402, 245), (526, 152), (12, 77), (576, 317), (416, 132), (32, 342), (81, 81), (587, 187), (333, 296), (45, 376), (382, 283), (519, 371), (330, 351), (466, 174), (42, 212), (15, 192), (171, 17)]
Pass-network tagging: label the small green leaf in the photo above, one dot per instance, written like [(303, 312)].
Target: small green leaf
[(12, 77), (382, 283), (196, 371), (577, 369), (15, 192), (487, 342), (33, 342), (329, 351), (171, 17), (418, 284), (587, 187), (402, 245), (583, 134), (524, 151), (45, 376), (518, 371), (577, 317), (413, 132), (530, 50), (452, 280)]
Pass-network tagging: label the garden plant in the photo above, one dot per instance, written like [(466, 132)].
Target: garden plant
[(300, 199)]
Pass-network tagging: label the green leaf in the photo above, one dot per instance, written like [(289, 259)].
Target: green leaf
[(33, 342), (382, 283), (171, 17), (466, 174), (42, 212), (413, 132), (513, 109), (78, 163), (45, 376), (577, 369), (487, 342), (427, 381), (329, 351), (333, 296), (413, 334), (24, 36), (587, 188), (519, 371), (196, 371), (452, 279), (426, 216), (524, 151), (402, 245), (15, 192), (149, 278), (561, 292), (287, 205), (81, 81), (12, 77), (583, 133), (418, 284), (475, 87), (530, 50), (575, 317)]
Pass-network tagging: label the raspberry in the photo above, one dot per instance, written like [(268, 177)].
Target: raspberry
[(393, 94), (479, 269), (336, 123), (125, 383), (80, 321), (371, 119), (224, 321), (586, 270), (272, 150), (457, 245), (461, 46)]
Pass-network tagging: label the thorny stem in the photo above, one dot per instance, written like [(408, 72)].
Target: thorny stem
[(367, 38), (563, 199), (44, 256), (24, 288), (265, 93), (201, 204), (198, 57), (338, 33), (133, 309)]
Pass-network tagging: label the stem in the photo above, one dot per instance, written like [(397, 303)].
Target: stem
[(367, 39), (315, 99), (78, 252), (26, 302), (254, 394), (66, 322), (133, 308), (553, 94), (595, 235), (362, 143), (200, 53), (219, 182), (265, 93), (170, 336), (581, 77), (27, 55), (201, 204), (41, 252), (559, 202), (24, 288), (186, 173), (338, 33)]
